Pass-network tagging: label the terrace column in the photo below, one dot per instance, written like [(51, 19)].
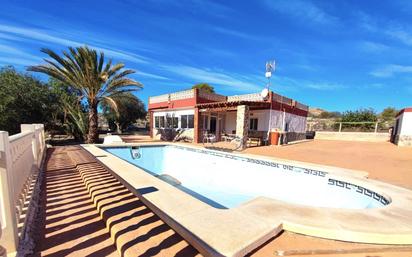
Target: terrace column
[(196, 132), (242, 123), (151, 124)]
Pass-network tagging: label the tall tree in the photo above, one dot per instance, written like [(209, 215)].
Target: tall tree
[(388, 114), (128, 109), (204, 86), (87, 71), (23, 99)]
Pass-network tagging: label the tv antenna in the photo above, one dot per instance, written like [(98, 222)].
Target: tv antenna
[(270, 67)]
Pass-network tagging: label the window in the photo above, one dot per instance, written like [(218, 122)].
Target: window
[(191, 121), (172, 122), (157, 121), (168, 122), (187, 121), (183, 121), (161, 121), (175, 122), (253, 124)]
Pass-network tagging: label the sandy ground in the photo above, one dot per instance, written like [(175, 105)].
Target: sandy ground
[(384, 161)]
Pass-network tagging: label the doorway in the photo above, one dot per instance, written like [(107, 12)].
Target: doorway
[(213, 124)]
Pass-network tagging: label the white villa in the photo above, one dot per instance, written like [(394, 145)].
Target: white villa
[(194, 113)]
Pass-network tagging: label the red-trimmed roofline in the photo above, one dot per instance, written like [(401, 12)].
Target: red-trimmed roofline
[(408, 109)]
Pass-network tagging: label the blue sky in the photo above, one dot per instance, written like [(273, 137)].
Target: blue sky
[(337, 55)]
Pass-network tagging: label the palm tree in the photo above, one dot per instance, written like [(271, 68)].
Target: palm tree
[(86, 70)]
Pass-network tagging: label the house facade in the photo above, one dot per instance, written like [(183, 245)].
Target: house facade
[(402, 131), (194, 113)]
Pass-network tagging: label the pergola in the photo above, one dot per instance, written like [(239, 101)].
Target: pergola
[(241, 107)]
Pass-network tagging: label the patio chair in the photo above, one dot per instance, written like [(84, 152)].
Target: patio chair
[(227, 137), (209, 137)]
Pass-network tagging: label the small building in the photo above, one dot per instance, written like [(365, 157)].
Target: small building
[(195, 113), (402, 132)]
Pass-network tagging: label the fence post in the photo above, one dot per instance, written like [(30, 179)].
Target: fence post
[(34, 143), (7, 206), (376, 127), (340, 126)]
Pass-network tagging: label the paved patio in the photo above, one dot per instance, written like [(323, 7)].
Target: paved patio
[(83, 200), (86, 209)]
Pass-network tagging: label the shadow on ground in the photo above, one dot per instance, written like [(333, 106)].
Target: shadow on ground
[(82, 202)]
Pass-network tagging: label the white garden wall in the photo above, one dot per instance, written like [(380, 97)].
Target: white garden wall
[(20, 160)]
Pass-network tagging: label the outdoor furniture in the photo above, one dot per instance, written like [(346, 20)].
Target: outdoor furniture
[(255, 138), (112, 139), (227, 137), (254, 141), (209, 137)]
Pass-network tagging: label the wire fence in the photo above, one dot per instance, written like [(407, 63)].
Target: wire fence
[(338, 126)]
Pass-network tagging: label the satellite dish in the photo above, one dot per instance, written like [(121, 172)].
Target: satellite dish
[(265, 93)]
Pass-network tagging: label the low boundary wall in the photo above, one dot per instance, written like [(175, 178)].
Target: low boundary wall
[(353, 136), (21, 156)]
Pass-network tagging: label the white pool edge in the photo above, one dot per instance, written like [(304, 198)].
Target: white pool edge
[(248, 226)]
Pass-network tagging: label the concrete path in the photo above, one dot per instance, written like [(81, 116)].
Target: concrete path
[(71, 226)]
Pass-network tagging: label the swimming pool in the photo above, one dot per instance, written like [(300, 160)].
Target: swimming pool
[(224, 180)]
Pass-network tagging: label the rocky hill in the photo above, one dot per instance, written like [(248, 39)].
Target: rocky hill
[(315, 111)]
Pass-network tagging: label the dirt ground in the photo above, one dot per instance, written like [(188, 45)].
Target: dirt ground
[(384, 161)]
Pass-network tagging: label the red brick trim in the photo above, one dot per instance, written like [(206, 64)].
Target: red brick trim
[(189, 102)]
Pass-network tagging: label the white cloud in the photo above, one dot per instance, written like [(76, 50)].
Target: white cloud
[(400, 34), (304, 10), (323, 86), (233, 33), (391, 29), (237, 82), (150, 75), (390, 70), (372, 47), (45, 36), (16, 61), (13, 51)]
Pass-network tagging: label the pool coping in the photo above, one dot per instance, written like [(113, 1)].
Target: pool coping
[(239, 230)]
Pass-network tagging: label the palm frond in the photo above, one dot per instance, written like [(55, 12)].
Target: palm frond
[(85, 69)]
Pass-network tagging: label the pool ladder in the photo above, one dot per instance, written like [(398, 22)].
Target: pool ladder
[(135, 152)]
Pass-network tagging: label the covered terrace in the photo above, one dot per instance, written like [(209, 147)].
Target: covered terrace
[(229, 119)]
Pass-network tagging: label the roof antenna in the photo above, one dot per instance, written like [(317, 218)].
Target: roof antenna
[(270, 67)]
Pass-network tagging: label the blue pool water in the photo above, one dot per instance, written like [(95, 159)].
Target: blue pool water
[(225, 180)]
